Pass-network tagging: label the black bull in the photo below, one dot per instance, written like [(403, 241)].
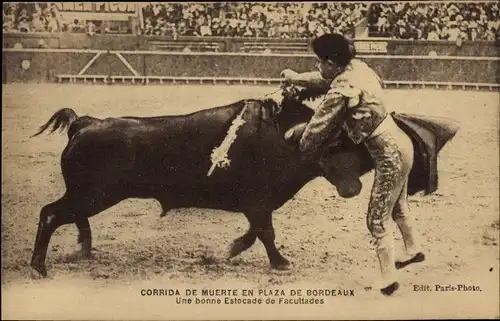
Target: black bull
[(168, 158)]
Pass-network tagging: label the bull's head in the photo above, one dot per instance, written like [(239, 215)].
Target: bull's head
[(342, 162), (286, 111)]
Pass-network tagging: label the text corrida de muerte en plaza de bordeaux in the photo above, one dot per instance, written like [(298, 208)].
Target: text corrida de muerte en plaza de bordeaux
[(249, 296)]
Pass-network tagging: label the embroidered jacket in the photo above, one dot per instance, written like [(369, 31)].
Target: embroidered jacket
[(353, 103)]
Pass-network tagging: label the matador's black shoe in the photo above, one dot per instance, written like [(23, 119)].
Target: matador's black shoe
[(419, 257), (390, 289)]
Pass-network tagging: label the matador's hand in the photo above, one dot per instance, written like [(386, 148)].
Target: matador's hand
[(288, 75)]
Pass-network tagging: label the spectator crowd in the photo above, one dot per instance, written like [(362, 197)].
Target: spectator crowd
[(30, 17), (435, 21), (268, 20), (404, 20), (40, 17)]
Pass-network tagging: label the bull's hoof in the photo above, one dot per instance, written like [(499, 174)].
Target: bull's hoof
[(419, 257), (38, 269), (236, 248), (281, 265), (240, 245), (36, 275), (38, 272), (390, 289), (77, 256)]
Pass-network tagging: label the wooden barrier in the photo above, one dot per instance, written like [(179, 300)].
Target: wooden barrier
[(152, 80), (146, 67)]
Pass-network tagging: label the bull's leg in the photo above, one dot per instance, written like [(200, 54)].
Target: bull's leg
[(75, 209), (84, 242), (242, 243), (89, 206), (245, 241), (84, 238), (84, 235), (263, 227), (51, 217)]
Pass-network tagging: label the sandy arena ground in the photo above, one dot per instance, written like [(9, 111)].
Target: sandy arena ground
[(323, 235)]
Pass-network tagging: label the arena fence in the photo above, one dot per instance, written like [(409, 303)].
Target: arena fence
[(153, 67)]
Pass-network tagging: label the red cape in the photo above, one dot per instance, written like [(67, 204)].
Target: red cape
[(429, 135)]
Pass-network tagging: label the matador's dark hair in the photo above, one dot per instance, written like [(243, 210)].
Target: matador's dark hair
[(334, 47)]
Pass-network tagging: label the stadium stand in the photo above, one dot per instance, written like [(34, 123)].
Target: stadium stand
[(272, 20), (435, 21), (167, 22), (404, 20), (264, 20)]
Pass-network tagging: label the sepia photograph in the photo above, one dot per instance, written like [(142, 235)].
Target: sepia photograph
[(250, 160)]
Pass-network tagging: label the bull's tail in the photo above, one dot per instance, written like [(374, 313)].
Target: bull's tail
[(61, 120)]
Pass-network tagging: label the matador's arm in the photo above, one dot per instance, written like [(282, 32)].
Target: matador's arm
[(324, 124), (312, 79)]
